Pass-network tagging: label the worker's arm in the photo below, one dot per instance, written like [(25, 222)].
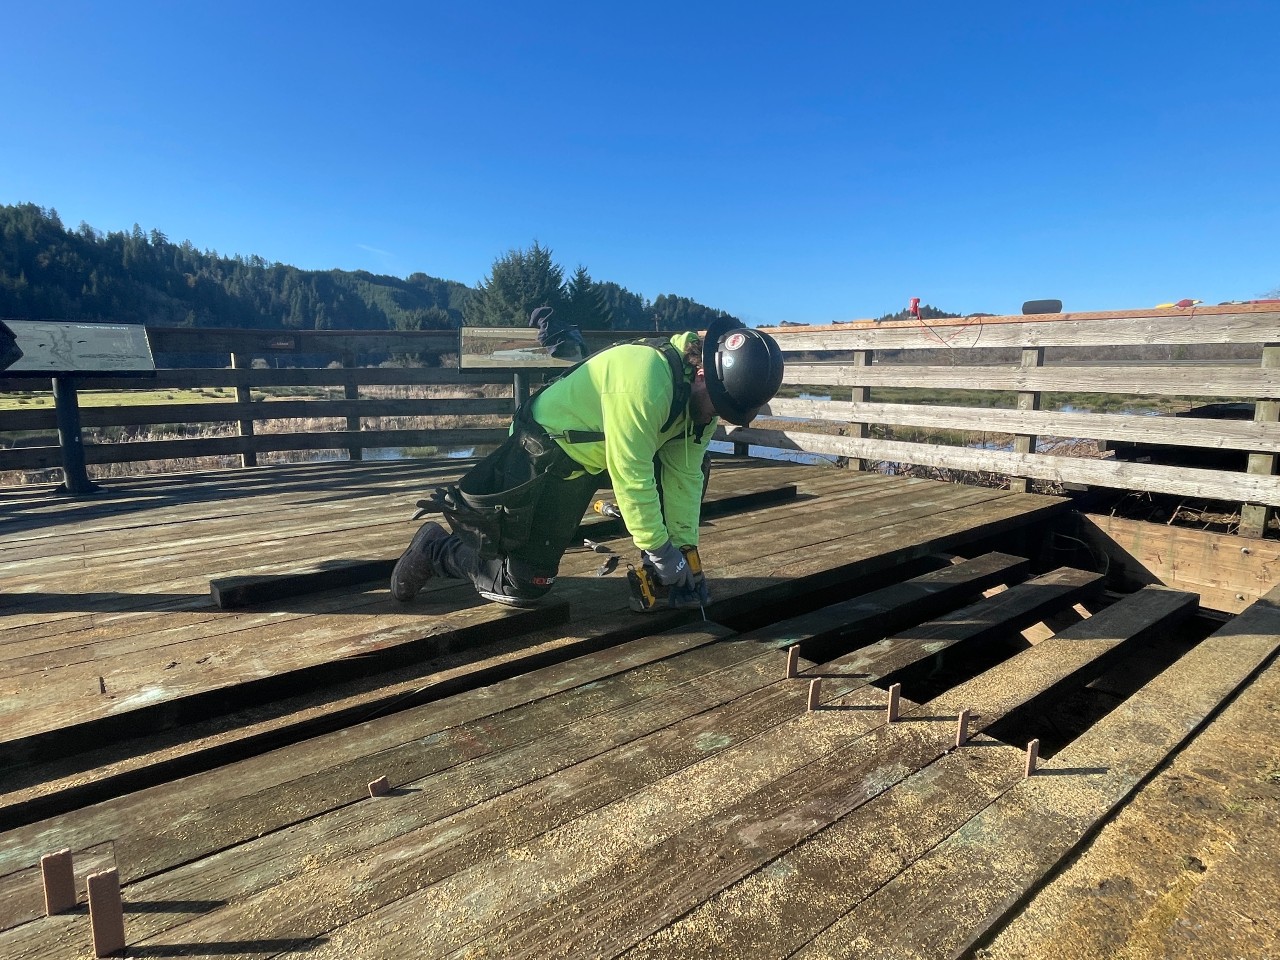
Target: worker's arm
[(682, 483), (631, 427)]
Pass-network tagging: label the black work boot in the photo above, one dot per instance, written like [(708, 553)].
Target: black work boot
[(415, 566)]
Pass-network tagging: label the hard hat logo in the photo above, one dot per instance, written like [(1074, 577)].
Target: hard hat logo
[(734, 341)]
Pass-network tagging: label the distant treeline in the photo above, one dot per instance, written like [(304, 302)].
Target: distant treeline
[(50, 272)]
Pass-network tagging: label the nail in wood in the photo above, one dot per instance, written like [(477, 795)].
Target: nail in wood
[(59, 882), (793, 661), (106, 913), (962, 728), (102, 685), (815, 688), (894, 693), (380, 787), (1033, 755)]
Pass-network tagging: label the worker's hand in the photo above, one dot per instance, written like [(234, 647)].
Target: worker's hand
[(671, 566)]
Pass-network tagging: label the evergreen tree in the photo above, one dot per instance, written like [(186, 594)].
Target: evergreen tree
[(517, 283), (585, 306)]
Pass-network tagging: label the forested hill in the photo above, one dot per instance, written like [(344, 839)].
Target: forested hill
[(50, 272)]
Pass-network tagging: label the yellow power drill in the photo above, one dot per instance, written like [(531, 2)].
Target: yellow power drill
[(648, 592)]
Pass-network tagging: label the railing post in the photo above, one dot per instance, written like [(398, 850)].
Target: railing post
[(860, 430), (75, 479), (250, 457), (351, 391), (1032, 357), (1255, 516)]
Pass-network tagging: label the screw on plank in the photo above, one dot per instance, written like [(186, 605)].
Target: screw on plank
[(1033, 755), (106, 913), (793, 661), (962, 728), (59, 882), (894, 693), (815, 689), (380, 787)]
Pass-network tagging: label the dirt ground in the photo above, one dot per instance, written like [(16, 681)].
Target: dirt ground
[(1190, 868)]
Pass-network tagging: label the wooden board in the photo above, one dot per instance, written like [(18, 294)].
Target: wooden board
[(1229, 573), (1204, 433), (1123, 475)]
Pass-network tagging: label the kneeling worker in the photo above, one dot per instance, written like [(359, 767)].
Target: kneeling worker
[(645, 412)]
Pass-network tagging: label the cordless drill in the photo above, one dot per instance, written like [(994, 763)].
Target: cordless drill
[(648, 592)]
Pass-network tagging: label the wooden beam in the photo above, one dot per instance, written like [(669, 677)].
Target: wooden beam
[(1227, 323), (1122, 475), (1201, 432), (1229, 573), (1184, 381)]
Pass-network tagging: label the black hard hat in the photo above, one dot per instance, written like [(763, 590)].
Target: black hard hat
[(743, 369)]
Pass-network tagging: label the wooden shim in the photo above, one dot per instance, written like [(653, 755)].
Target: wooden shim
[(1199, 432), (22, 896), (1009, 849), (775, 911), (57, 871), (1124, 475), (106, 913), (1186, 381)]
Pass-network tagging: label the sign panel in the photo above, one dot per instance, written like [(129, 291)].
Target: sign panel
[(52, 347), (488, 347)]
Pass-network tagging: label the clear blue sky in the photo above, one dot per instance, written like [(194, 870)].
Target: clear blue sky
[(782, 161)]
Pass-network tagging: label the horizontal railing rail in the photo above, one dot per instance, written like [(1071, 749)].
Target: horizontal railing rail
[(1101, 354)]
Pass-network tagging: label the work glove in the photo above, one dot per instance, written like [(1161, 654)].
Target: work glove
[(671, 566), (696, 597)]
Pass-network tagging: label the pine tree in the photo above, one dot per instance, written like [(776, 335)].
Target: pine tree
[(517, 283)]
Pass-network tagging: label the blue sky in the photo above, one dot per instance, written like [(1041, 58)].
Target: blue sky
[(786, 161)]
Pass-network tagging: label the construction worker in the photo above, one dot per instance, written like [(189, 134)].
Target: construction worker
[(645, 412)]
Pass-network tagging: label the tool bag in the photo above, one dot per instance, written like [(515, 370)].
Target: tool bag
[(494, 505)]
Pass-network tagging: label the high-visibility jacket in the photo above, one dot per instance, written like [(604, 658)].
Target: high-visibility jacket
[(625, 392)]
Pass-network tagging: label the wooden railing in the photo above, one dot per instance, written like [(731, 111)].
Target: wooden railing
[(940, 355), (854, 363), (278, 361)]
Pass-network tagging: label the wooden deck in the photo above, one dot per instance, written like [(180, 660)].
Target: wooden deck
[(578, 779)]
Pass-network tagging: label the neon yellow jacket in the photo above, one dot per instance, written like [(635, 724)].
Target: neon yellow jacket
[(625, 393)]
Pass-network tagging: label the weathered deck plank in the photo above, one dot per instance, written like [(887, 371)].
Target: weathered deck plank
[(775, 911), (687, 743), (1009, 847)]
